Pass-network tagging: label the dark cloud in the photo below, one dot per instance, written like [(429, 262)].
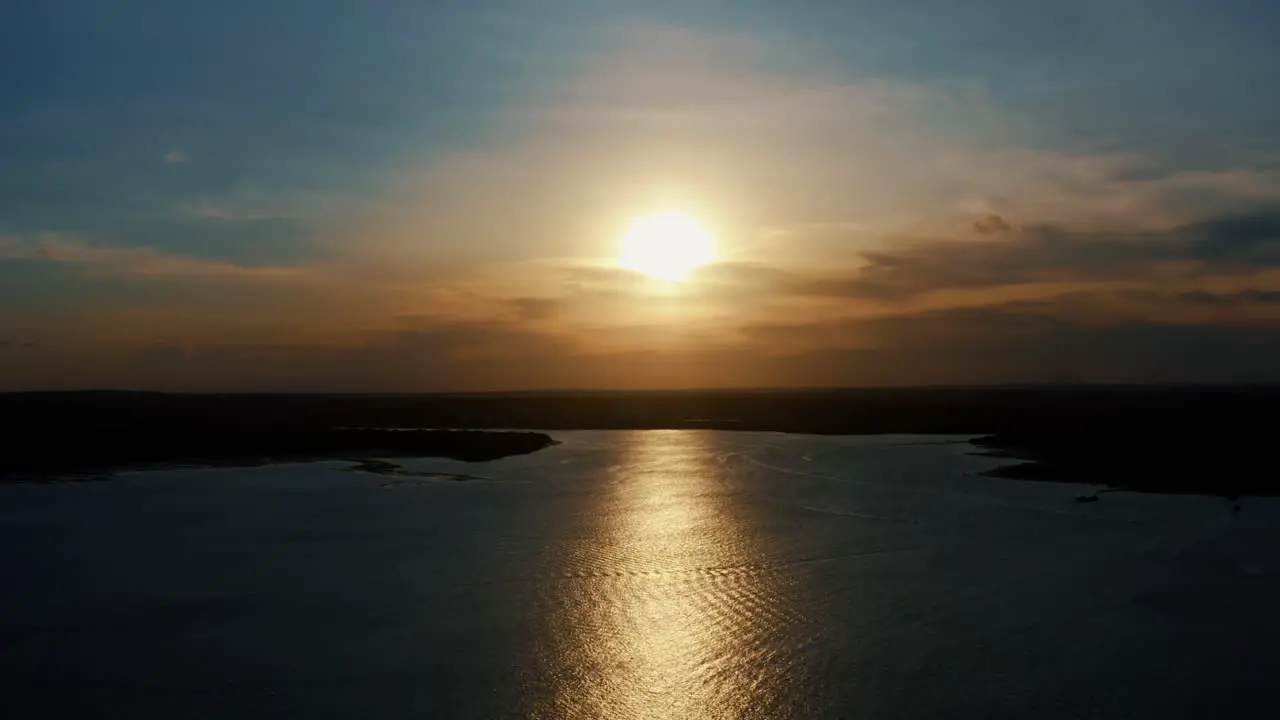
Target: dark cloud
[(1081, 337), (531, 308), (1004, 345), (1248, 239), (1201, 297), (162, 354), (465, 339), (1026, 342), (990, 225), (425, 354), (1051, 254)]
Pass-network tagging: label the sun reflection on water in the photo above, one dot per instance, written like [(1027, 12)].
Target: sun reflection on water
[(674, 614)]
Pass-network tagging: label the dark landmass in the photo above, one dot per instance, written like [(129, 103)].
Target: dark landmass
[(384, 467), (1207, 461), (1207, 439), (376, 467), (74, 449)]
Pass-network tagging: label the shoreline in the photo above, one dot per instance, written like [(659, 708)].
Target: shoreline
[(98, 455), (1039, 456), (1201, 440), (1133, 463)]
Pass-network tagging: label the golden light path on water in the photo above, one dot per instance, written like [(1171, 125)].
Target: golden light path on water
[(676, 616)]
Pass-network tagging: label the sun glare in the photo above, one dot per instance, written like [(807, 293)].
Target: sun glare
[(667, 246)]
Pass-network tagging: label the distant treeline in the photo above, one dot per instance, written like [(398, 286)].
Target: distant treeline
[(924, 410)]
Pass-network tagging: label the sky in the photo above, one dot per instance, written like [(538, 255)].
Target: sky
[(361, 196)]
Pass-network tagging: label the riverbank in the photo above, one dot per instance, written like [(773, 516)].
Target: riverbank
[(1171, 439), (94, 453), (1204, 464)]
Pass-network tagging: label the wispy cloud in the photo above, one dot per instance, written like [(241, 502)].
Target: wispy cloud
[(1228, 245), (132, 261)]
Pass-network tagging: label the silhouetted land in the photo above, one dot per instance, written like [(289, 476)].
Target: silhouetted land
[(77, 450), (1153, 439)]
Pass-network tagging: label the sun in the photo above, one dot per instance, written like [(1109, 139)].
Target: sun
[(667, 246)]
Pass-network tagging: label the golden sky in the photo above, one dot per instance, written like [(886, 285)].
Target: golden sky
[(868, 230)]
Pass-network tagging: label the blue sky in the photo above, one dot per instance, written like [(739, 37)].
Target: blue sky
[(330, 95), (468, 141)]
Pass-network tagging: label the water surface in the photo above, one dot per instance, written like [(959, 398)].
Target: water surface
[(653, 574)]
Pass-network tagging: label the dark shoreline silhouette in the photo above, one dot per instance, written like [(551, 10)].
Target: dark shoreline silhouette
[(1176, 439), (1180, 464), (89, 454)]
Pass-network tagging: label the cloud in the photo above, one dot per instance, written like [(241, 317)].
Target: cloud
[(991, 224), (1021, 342), (422, 353), (532, 308), (175, 157), (1230, 245), (1202, 297), (1119, 336), (1242, 239), (17, 345), (241, 241), (133, 261)]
